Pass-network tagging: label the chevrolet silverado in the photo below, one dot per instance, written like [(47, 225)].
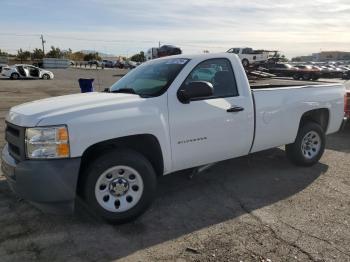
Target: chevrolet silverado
[(109, 147)]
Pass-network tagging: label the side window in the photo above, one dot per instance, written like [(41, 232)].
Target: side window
[(247, 51), (219, 73), (233, 50)]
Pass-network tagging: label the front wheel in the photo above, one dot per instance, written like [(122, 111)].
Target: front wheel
[(306, 77), (309, 145), (46, 77), (14, 76), (120, 185)]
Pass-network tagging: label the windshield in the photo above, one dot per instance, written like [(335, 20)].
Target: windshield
[(150, 79)]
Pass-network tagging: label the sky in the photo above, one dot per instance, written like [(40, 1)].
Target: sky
[(298, 27)]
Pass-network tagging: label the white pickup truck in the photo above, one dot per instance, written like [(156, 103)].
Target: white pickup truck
[(109, 147), (249, 56)]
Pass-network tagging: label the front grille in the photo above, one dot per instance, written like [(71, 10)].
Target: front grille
[(14, 135)]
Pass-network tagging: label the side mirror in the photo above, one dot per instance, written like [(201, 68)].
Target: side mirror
[(193, 90)]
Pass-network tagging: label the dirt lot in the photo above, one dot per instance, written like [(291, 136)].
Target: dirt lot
[(254, 208)]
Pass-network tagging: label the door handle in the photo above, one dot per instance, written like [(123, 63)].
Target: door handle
[(235, 109)]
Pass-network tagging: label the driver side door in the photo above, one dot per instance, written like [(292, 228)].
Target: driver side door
[(207, 130)]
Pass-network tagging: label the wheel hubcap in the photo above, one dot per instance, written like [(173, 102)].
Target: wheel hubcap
[(119, 188), (311, 145)]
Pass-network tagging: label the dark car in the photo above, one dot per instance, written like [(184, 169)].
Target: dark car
[(301, 72), (108, 63), (94, 62), (346, 75), (168, 50), (307, 72), (280, 69)]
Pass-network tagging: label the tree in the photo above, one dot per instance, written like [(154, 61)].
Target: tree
[(284, 58), (55, 52), (3, 53), (77, 56), (38, 53), (140, 57), (67, 53), (23, 55), (296, 59), (92, 56)]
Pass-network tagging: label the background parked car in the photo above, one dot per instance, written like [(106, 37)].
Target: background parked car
[(108, 63), (26, 72), (280, 69), (299, 72), (307, 72), (1, 66), (346, 75), (95, 62)]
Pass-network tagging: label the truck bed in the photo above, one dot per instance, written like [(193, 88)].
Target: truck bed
[(281, 83), (279, 108)]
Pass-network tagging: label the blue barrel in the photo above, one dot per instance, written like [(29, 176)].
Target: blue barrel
[(86, 85)]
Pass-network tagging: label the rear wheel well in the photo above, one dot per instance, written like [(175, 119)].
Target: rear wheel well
[(145, 144), (319, 116)]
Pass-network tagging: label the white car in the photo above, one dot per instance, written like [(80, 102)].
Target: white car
[(110, 147), (26, 71)]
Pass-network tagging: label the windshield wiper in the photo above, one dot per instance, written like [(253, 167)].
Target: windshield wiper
[(124, 90), (129, 91)]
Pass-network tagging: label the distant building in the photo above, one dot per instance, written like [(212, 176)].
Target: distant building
[(331, 56), (302, 58), (323, 56)]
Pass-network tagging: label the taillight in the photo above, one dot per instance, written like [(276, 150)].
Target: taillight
[(347, 104)]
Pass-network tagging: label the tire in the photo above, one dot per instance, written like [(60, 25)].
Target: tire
[(315, 77), (245, 62), (306, 77), (309, 145), (120, 185), (296, 76), (46, 77), (14, 76)]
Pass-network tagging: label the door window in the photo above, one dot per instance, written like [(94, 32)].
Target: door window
[(219, 73)]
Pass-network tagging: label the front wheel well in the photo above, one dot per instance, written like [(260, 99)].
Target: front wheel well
[(145, 144), (319, 116)]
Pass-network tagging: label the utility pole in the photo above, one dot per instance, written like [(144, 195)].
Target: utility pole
[(159, 44), (43, 43)]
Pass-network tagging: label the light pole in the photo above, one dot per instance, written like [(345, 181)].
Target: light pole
[(43, 43)]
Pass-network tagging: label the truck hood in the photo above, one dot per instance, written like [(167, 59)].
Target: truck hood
[(32, 113)]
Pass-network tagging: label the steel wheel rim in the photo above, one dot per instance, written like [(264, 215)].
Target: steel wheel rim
[(311, 145), (119, 188)]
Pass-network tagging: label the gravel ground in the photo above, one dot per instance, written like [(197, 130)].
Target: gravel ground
[(254, 208)]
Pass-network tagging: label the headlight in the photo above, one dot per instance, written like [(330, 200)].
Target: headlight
[(47, 142)]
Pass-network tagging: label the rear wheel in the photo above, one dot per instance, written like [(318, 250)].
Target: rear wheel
[(245, 62), (120, 185), (14, 76), (309, 145)]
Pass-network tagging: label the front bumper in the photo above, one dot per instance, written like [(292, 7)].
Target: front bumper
[(48, 184)]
